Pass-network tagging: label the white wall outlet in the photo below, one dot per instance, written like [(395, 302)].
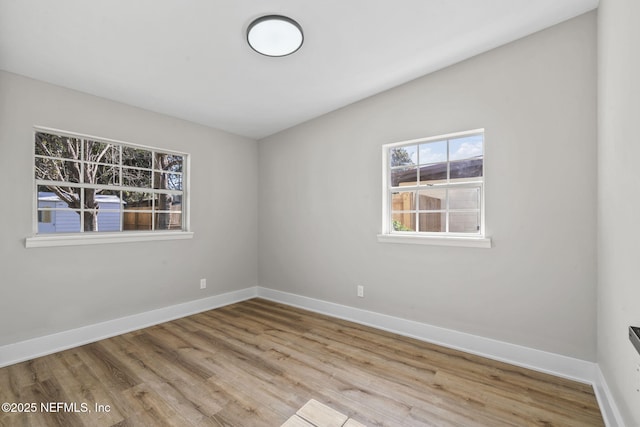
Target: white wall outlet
[(203, 283), (361, 291), (638, 378)]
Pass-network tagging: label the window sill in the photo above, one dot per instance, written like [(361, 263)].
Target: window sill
[(470, 242), (103, 238)]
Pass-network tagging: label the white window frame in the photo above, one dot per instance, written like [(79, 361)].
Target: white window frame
[(388, 235), (97, 237)]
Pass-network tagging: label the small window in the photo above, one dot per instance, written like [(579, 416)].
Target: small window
[(435, 186), (87, 185)]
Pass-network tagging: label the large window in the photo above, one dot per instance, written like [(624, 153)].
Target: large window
[(88, 185), (434, 186)]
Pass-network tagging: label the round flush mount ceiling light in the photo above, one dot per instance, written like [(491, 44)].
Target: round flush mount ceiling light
[(275, 35)]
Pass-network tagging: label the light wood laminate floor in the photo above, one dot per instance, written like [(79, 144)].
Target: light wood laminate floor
[(256, 363)]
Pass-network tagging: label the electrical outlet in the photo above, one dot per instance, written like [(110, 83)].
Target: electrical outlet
[(203, 283), (361, 291), (638, 378)]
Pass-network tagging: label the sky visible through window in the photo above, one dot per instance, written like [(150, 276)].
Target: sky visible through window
[(436, 152)]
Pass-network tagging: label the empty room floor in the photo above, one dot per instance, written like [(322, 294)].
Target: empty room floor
[(256, 363)]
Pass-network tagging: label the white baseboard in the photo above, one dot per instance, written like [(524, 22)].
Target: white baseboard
[(608, 407), (555, 364), (41, 346)]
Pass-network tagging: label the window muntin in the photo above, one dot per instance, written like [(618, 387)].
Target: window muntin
[(86, 185), (434, 186)]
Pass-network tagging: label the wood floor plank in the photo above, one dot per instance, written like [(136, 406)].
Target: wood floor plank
[(207, 399), (256, 363), (109, 368), (82, 386), (153, 408)]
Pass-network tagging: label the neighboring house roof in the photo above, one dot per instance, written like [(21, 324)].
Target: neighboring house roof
[(438, 171), (46, 196)]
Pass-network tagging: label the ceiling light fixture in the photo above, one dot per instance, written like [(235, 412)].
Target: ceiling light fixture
[(275, 35)]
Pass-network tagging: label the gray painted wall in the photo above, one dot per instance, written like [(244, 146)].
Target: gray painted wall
[(320, 198), (46, 290), (619, 200)]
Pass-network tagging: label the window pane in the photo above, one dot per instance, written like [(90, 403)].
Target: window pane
[(49, 197), (433, 222), (169, 220), (137, 211), (174, 181), (46, 197), (57, 146), (466, 168), (91, 220), (169, 162), (61, 221), (403, 156), (90, 201), (167, 181), (163, 202), (108, 201), (105, 174), (57, 170), (136, 199), (108, 221), (109, 211), (464, 198), (404, 176), (404, 221), (433, 152), (136, 157), (464, 222), (431, 173), (99, 207), (432, 199), (54, 215), (101, 152), (136, 178), (403, 201), (467, 147), (136, 220)]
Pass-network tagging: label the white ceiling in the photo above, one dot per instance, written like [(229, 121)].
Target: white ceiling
[(190, 59)]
